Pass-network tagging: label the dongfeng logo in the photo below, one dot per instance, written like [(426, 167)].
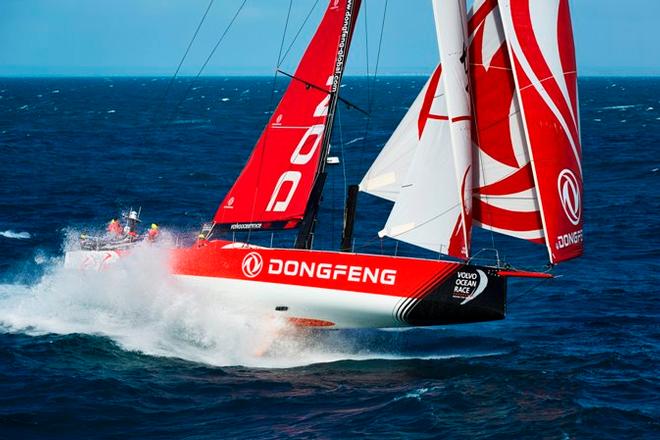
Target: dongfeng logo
[(569, 194), (252, 265)]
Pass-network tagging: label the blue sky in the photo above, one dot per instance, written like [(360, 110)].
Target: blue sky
[(148, 37)]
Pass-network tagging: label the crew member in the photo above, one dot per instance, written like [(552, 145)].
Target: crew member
[(201, 239), (114, 227), (153, 232)]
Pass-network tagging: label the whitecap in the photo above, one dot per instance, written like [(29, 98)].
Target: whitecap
[(415, 394), (136, 303), (352, 141), (620, 107), (224, 99), (16, 235)]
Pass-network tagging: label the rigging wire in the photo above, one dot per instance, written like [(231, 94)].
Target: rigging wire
[(371, 96), (341, 149), (157, 108), (366, 49), (531, 289), (206, 62), (185, 55), (270, 112), (343, 168), (295, 37)]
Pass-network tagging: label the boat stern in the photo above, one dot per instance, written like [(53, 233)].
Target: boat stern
[(471, 294)]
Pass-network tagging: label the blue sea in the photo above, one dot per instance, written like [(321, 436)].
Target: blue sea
[(125, 354)]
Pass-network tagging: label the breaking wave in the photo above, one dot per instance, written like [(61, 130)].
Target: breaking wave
[(16, 235), (352, 141), (138, 305)]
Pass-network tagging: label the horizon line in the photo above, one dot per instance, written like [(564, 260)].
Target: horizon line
[(264, 75)]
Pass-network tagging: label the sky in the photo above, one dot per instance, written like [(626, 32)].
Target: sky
[(148, 37)]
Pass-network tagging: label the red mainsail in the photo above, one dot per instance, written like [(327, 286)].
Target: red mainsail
[(273, 190)]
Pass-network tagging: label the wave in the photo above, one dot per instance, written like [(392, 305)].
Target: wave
[(352, 141), (16, 235), (620, 107), (191, 121), (142, 308)]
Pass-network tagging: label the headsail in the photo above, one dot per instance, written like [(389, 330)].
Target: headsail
[(427, 206), (388, 172), (426, 165), (540, 40), (526, 161), (273, 190), (505, 198)]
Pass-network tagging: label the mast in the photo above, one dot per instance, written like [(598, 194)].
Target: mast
[(304, 239)]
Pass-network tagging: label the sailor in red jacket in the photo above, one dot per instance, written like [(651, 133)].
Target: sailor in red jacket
[(153, 232), (114, 228)]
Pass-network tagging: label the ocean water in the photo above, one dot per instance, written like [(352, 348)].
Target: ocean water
[(127, 353)]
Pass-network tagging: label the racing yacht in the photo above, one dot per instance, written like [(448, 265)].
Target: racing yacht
[(492, 141)]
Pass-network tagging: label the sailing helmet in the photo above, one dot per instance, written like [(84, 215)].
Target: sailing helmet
[(133, 215), (154, 226)]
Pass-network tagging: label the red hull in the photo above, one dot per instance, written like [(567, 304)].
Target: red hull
[(424, 292)]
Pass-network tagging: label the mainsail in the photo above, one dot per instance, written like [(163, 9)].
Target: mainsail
[(273, 190), (425, 167)]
